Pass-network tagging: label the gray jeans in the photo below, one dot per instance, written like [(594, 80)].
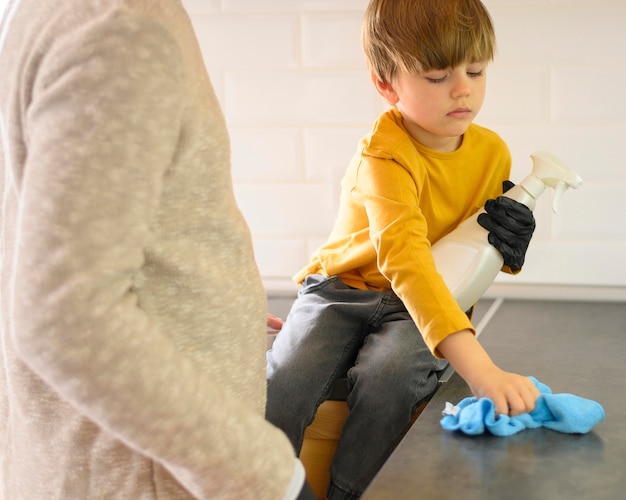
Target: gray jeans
[(333, 329)]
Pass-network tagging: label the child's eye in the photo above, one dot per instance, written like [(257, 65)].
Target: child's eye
[(475, 74), (436, 77), (436, 80)]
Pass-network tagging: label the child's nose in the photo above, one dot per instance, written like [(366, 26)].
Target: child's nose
[(460, 87)]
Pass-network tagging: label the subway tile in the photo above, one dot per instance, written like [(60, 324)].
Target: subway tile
[(266, 154), (195, 7), (280, 257), (595, 152), (330, 149), (586, 2), (332, 40), (286, 210), (491, 4), (561, 34), (292, 5), (295, 98), (589, 94), (590, 263), (596, 213), (249, 42), (314, 243), (517, 95)]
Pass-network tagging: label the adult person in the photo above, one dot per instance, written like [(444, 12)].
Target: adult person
[(133, 316)]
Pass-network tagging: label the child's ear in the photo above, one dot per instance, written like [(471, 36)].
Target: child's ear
[(385, 90)]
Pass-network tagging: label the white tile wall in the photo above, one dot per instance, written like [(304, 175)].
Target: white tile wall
[(292, 81)]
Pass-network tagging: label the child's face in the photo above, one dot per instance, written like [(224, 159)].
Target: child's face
[(437, 106)]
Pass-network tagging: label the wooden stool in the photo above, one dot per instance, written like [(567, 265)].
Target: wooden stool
[(320, 443)]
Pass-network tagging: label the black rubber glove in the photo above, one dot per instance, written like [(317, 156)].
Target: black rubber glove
[(510, 225)]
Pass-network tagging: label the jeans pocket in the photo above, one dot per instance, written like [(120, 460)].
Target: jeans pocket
[(315, 282)]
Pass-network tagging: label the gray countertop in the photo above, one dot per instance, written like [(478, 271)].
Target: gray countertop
[(573, 347)]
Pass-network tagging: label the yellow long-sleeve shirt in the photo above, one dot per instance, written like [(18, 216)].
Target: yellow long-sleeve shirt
[(398, 198)]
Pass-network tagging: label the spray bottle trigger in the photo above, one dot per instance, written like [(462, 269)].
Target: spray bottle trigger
[(559, 189)]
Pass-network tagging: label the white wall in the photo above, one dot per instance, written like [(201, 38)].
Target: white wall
[(293, 85)]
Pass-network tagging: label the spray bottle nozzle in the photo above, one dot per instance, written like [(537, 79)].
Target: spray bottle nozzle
[(555, 174)]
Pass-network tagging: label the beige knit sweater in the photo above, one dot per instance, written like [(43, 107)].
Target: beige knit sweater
[(132, 333)]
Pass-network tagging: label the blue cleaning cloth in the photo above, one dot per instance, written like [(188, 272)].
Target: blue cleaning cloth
[(559, 412)]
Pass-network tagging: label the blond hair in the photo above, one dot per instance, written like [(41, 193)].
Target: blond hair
[(422, 35)]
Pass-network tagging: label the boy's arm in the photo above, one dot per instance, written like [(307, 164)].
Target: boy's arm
[(512, 394)]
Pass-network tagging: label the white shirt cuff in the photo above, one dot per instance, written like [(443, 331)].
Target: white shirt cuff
[(297, 481)]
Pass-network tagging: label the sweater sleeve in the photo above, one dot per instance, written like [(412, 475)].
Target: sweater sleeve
[(103, 124)]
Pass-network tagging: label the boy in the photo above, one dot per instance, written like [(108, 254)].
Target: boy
[(372, 302)]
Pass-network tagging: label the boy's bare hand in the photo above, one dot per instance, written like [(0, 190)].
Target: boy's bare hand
[(512, 394)]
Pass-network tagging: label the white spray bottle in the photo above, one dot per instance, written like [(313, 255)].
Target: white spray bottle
[(464, 257)]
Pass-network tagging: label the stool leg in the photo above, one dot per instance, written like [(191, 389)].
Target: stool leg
[(320, 443)]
